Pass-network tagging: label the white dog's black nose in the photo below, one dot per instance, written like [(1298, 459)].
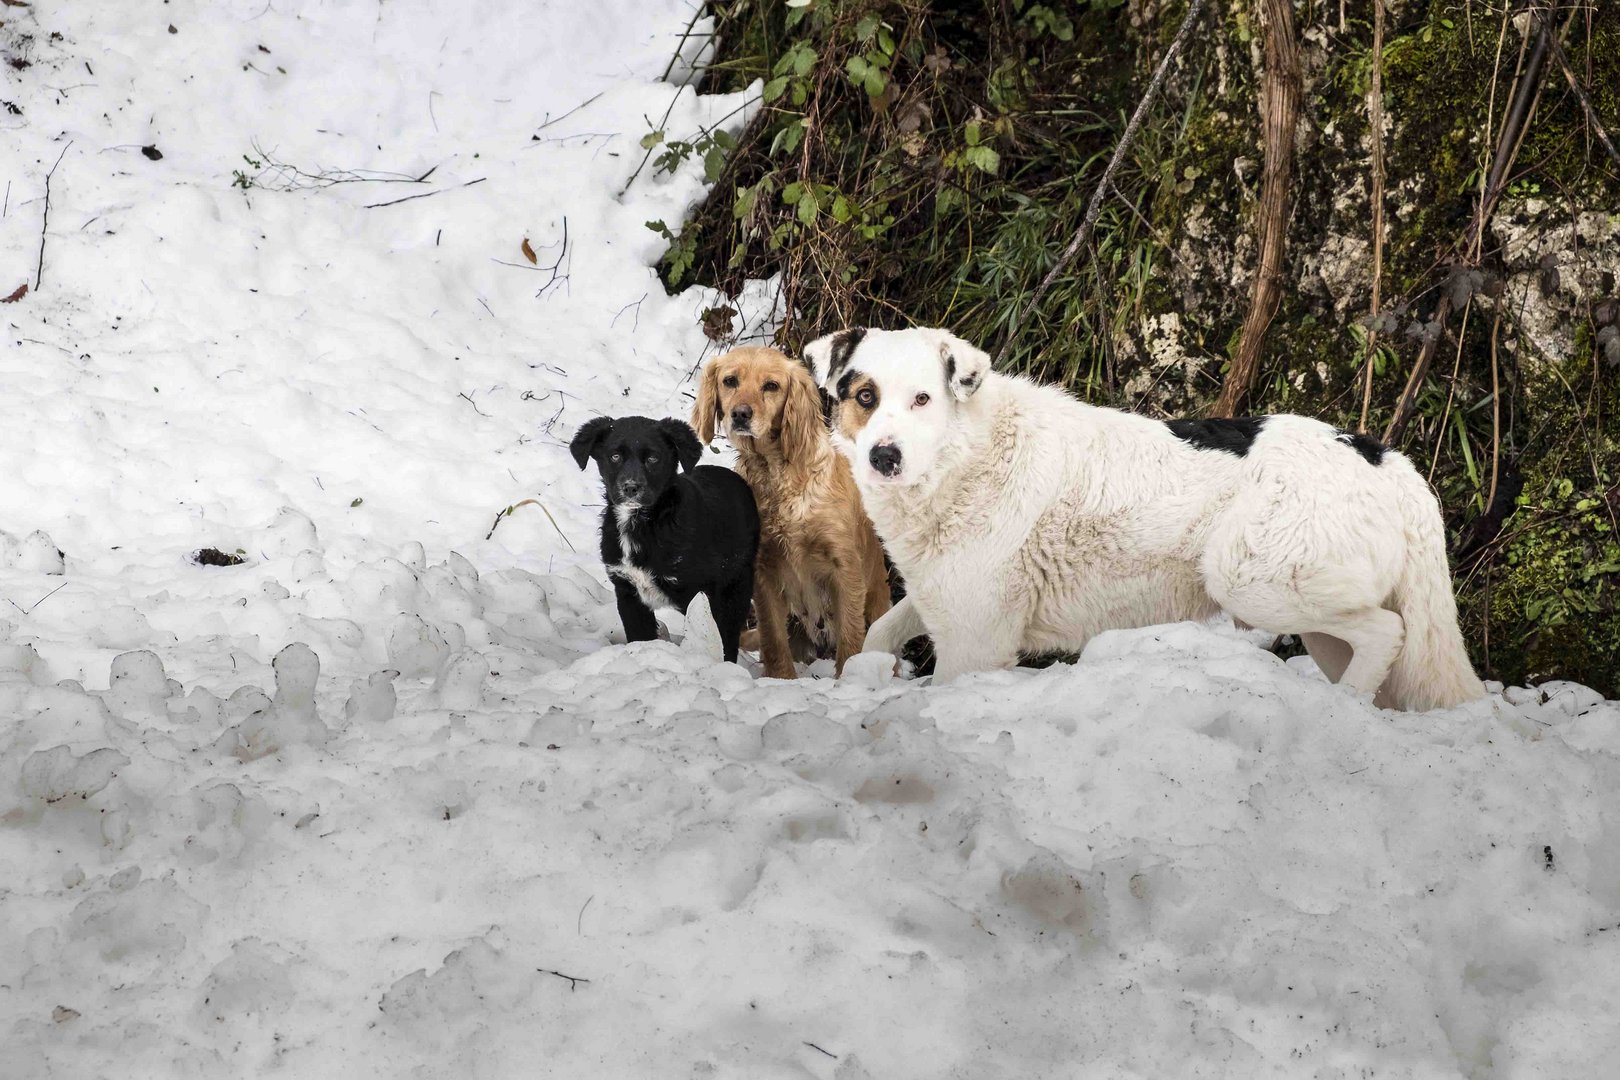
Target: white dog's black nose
[(740, 416), (885, 458)]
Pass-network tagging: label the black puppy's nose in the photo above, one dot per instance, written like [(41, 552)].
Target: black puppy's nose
[(886, 458), (631, 487), (741, 415)]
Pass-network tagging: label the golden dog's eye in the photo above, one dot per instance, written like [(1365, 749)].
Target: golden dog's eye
[(919, 401), (730, 381), (771, 386), (866, 397)]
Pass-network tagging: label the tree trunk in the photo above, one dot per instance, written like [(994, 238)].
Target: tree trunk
[(1279, 105)]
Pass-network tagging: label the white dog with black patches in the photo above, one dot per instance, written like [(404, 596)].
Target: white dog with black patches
[(1026, 521)]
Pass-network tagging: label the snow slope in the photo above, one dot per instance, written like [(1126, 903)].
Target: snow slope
[(232, 844)]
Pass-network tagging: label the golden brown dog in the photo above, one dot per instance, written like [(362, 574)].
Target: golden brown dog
[(819, 557)]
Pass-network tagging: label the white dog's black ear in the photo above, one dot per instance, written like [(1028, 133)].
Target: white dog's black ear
[(965, 365), (828, 357)]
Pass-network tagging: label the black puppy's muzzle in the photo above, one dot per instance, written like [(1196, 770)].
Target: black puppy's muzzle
[(631, 491), (741, 417), (885, 458)]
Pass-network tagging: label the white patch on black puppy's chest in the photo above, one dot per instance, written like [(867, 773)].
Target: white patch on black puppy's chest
[(644, 583), (638, 577)]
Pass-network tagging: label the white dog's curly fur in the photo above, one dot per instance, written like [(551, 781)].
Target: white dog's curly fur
[(1026, 521)]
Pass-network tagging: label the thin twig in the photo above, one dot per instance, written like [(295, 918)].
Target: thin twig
[(570, 112), (573, 980), (1083, 234), (556, 278), (1580, 92), (45, 220), (829, 1053), (425, 194), (697, 13), (535, 502), (1375, 117), (29, 610), (1496, 410)]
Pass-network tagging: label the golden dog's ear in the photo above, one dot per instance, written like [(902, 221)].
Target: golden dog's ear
[(802, 426), (707, 410)]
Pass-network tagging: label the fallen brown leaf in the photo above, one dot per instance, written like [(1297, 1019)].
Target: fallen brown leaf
[(528, 252), (22, 291)]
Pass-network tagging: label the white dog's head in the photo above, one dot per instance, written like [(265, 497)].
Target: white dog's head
[(895, 396)]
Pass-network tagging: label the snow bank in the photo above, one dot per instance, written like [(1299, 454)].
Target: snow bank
[(380, 800)]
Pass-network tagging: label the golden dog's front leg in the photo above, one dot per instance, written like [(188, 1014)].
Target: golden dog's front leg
[(771, 611), (850, 588)]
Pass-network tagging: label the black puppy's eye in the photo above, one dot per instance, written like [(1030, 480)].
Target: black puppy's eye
[(771, 387), (866, 396), (652, 459), (730, 381), (615, 457)]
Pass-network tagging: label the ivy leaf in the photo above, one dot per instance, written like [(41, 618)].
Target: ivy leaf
[(793, 193), (651, 139), (713, 162), (840, 209), (807, 207), (983, 158), (775, 88), (866, 27), (804, 59)]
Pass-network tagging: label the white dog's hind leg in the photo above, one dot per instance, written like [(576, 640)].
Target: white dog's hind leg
[(894, 628), (1330, 654), (1375, 637)]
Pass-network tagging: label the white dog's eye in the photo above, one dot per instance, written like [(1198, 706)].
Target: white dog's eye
[(866, 397), (919, 401)]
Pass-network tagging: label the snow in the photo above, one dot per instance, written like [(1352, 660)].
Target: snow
[(391, 797)]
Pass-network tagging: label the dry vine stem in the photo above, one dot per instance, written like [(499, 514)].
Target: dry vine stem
[(1279, 103), (1580, 92), (1375, 118), (1094, 208)]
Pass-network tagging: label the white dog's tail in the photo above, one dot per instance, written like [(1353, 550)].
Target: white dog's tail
[(1432, 670)]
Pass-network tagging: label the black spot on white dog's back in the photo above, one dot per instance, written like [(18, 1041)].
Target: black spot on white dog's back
[(1365, 445), (1233, 436)]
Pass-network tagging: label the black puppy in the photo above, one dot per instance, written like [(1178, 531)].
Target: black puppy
[(666, 537)]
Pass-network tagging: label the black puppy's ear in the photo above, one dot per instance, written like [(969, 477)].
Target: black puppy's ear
[(588, 437), (688, 451)]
